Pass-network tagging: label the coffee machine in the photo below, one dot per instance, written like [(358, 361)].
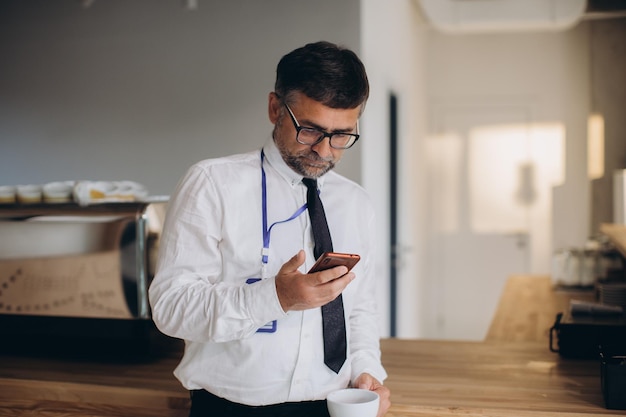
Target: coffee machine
[(76, 275)]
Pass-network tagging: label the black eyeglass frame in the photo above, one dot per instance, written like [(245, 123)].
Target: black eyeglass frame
[(322, 133)]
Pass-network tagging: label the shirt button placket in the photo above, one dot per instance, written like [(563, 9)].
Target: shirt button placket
[(300, 387)]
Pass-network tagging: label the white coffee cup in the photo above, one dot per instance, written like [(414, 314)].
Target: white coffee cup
[(353, 402)]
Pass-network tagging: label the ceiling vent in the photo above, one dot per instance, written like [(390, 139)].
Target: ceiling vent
[(482, 16)]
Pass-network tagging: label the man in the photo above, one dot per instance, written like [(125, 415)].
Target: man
[(238, 241)]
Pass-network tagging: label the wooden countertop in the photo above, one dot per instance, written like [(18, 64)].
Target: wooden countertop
[(426, 378), (498, 379), (511, 373), (528, 307)]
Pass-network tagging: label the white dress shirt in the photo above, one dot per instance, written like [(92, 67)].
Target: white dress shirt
[(212, 243)]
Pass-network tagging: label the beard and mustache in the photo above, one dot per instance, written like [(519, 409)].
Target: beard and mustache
[(306, 162)]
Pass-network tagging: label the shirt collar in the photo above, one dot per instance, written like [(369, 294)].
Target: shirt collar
[(275, 159)]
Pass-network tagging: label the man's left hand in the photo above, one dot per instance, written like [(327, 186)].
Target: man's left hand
[(368, 382)]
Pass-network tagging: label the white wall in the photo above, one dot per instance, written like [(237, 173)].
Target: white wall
[(392, 51)]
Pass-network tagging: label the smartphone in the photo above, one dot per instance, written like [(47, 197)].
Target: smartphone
[(332, 259)]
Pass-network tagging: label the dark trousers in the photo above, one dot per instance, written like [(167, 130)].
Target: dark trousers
[(205, 404)]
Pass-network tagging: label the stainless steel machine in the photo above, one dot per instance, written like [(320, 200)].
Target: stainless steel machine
[(77, 273)]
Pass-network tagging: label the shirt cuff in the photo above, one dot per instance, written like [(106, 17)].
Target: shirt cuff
[(262, 301), (363, 364)]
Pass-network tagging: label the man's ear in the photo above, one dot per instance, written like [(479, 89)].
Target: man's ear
[(273, 107)]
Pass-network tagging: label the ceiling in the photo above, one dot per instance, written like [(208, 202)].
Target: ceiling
[(480, 16)]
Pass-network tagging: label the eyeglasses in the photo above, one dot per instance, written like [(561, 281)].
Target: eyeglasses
[(311, 136)]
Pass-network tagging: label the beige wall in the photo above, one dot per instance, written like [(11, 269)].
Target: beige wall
[(608, 98)]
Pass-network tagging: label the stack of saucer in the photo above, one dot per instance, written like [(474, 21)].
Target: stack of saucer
[(81, 192), (612, 293), (29, 194), (8, 194), (58, 192)]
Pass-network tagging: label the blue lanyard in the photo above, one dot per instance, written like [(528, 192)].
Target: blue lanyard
[(268, 230)]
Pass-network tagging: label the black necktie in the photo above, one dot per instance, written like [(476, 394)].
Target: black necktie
[(333, 320)]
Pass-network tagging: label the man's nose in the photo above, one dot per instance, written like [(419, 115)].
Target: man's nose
[(323, 148)]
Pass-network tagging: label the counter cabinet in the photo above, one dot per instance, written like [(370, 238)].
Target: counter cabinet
[(511, 373)]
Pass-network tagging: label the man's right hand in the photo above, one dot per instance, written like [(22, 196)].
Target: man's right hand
[(298, 291)]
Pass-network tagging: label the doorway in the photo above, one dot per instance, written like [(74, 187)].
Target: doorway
[(393, 214), (490, 170)]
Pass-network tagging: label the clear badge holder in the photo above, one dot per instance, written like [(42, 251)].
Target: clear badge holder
[(272, 325)]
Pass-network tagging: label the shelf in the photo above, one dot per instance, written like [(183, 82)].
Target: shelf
[(25, 211)]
